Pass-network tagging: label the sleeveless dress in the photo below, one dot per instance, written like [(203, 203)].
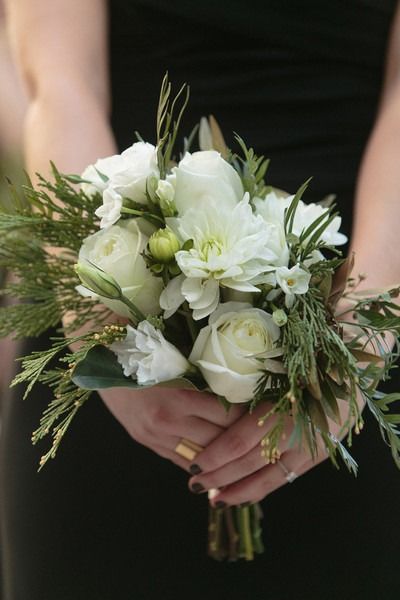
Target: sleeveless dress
[(110, 520)]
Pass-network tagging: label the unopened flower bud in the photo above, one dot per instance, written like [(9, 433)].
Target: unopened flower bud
[(279, 317), (97, 281), (163, 244), (165, 192)]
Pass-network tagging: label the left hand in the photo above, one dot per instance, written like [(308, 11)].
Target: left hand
[(233, 463)]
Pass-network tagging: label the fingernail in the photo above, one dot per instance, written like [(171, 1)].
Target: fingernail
[(197, 488), (195, 469), (220, 504)]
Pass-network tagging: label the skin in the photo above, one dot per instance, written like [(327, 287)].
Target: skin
[(63, 61)]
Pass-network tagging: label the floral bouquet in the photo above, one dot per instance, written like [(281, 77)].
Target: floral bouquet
[(220, 283)]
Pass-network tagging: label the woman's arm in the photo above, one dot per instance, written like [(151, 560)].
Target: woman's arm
[(377, 210), (61, 49)]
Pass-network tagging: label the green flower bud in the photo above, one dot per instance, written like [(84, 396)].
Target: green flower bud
[(163, 244), (279, 317), (165, 193), (97, 281)]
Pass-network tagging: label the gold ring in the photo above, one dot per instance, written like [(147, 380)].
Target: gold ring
[(188, 449)]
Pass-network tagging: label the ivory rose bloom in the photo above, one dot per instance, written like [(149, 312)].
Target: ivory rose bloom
[(117, 251), (204, 176), (228, 350), (147, 356)]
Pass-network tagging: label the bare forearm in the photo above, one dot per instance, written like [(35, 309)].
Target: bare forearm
[(71, 131), (377, 211), (64, 65)]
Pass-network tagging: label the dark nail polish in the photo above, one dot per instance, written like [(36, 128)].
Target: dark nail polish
[(220, 504), (197, 488), (195, 469)]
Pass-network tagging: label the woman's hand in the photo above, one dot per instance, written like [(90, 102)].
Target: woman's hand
[(159, 418), (233, 463)]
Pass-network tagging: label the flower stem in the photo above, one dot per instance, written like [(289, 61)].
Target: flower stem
[(247, 551), (136, 313)]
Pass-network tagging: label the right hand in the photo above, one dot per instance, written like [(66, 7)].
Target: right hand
[(159, 417)]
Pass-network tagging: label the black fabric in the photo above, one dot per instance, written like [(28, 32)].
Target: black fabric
[(110, 520)]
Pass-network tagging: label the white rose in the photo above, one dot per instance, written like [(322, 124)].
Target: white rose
[(205, 176), (229, 349), (147, 356), (117, 251)]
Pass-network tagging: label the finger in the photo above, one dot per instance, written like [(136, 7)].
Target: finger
[(238, 440), (207, 406), (193, 428), (231, 472), (257, 486), (172, 456)]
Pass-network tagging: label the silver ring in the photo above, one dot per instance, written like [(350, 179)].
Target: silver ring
[(290, 476)]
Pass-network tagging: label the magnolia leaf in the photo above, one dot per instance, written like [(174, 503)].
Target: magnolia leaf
[(339, 390), (325, 286), (313, 383), (217, 137), (274, 366), (340, 279), (327, 201), (367, 357), (317, 415), (100, 369), (329, 402), (278, 192)]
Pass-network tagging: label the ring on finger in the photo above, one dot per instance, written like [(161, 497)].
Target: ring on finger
[(187, 449), (290, 476)]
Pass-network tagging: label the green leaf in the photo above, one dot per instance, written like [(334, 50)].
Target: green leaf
[(289, 216), (329, 402), (317, 414), (100, 369)]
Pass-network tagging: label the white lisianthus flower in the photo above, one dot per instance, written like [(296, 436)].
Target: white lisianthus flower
[(205, 176), (230, 249), (292, 281), (171, 297), (230, 349), (97, 176), (273, 206), (140, 162), (146, 356), (117, 251), (110, 211), (121, 176)]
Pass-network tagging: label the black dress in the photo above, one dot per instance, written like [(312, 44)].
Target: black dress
[(110, 520)]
